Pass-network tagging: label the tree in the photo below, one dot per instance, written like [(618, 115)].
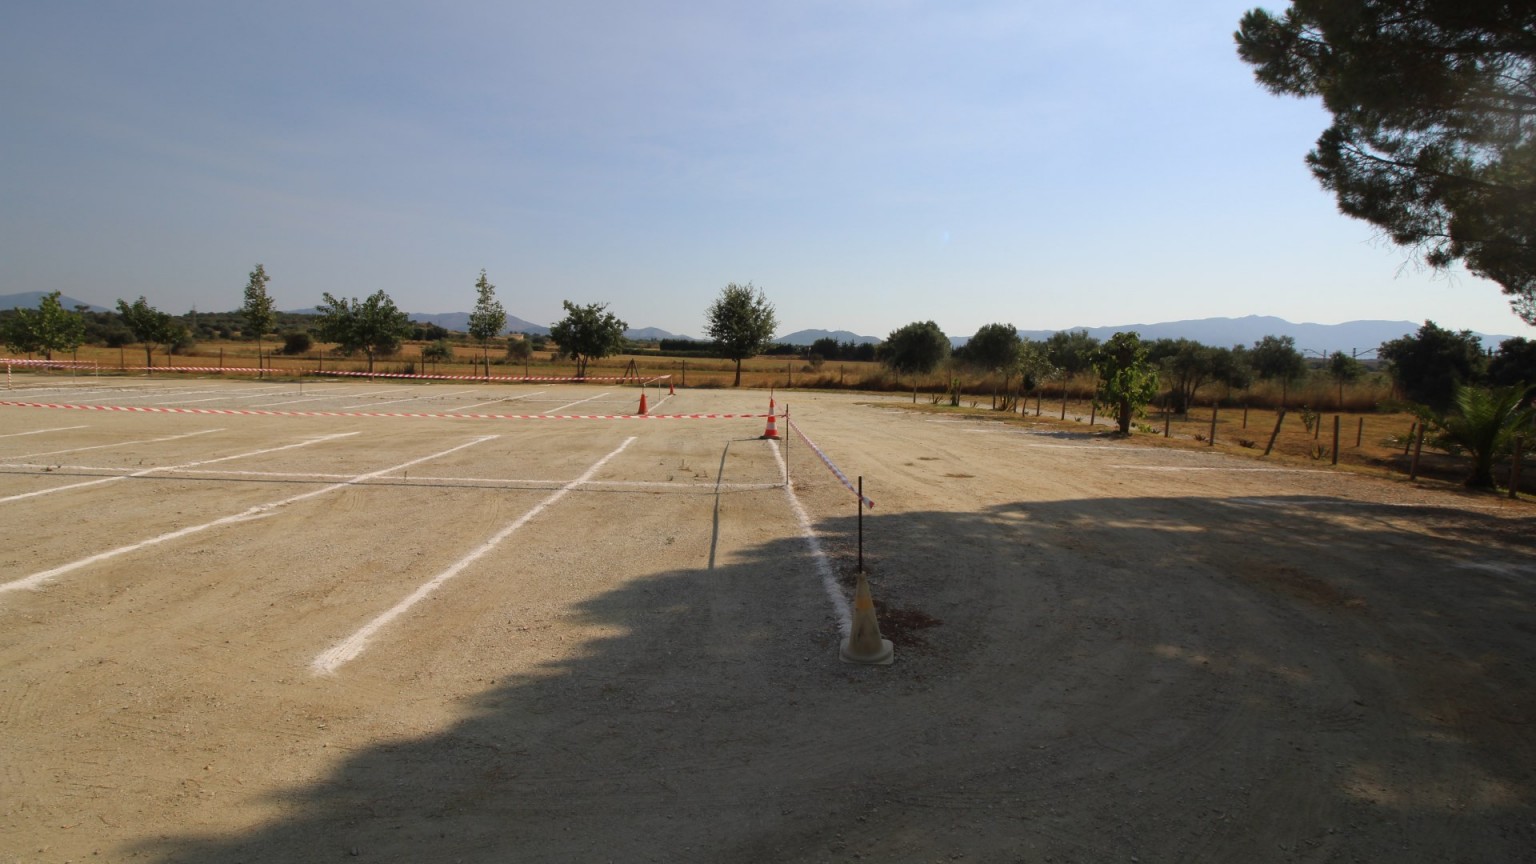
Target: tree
[(1126, 380), (488, 319), (1034, 367), (588, 333), (915, 349), (47, 329), (741, 321), (148, 325), (1276, 357), (1344, 369), (1071, 353), (1484, 423), (1232, 367), (373, 326), (827, 348), (995, 348), (1432, 139), (1513, 363), (1429, 365), (257, 311), (1188, 366)]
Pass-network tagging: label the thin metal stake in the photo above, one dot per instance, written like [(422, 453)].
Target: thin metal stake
[(860, 505)]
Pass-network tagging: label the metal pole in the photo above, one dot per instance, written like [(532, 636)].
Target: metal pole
[(860, 505), (788, 433)]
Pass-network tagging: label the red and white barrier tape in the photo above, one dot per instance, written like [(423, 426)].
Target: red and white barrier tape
[(339, 372), (256, 412), (828, 462)]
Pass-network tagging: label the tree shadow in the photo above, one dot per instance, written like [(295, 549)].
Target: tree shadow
[(1177, 678)]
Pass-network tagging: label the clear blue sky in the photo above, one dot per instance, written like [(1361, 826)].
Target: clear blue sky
[(866, 163)]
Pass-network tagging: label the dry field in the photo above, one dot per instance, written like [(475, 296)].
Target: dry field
[(247, 637)]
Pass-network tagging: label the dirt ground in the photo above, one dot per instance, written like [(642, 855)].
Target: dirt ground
[(1106, 651)]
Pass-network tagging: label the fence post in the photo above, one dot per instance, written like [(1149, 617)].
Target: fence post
[(1279, 418), (1409, 445), (1335, 439), (1514, 467), (1212, 442), (1360, 432), (1418, 447), (859, 504)]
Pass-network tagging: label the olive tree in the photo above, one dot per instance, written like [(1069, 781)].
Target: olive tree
[(741, 321), (588, 333)]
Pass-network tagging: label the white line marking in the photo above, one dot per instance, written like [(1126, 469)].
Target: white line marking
[(563, 407), (258, 512), (823, 566), (41, 431), (147, 471), (393, 401), (331, 395), (1233, 470), (507, 399), (118, 444), (346, 650)]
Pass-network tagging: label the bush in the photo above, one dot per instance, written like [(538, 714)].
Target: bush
[(438, 352), (297, 343)]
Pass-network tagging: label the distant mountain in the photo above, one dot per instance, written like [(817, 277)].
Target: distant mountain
[(807, 337), (1357, 337), (30, 299), (460, 321)]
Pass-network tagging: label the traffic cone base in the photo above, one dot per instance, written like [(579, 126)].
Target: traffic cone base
[(642, 405), (864, 643), (671, 388)]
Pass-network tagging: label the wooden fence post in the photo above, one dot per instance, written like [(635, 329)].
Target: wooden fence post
[(1212, 442), (1360, 432), (1336, 439), (1418, 447), (1412, 427), (1514, 467), (1279, 418)]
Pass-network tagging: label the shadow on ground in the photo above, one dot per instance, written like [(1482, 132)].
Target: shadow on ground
[(1173, 679)]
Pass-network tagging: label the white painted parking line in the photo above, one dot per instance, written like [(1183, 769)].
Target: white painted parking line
[(257, 512), (818, 557), (148, 471), (335, 394), (494, 401), (41, 431), (346, 650), (568, 405), (118, 444), (406, 399)]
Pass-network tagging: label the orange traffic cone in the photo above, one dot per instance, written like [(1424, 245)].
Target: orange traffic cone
[(772, 431), (864, 643), (641, 412), (671, 389)]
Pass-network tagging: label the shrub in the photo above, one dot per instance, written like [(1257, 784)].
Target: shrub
[(297, 343)]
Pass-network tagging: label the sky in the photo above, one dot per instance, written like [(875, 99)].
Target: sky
[(866, 163)]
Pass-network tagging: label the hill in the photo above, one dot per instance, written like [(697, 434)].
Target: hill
[(30, 299), (1355, 337), (806, 337)]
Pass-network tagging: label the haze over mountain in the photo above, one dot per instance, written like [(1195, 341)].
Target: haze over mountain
[(1360, 338)]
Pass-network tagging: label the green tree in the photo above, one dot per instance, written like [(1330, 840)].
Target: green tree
[(1127, 381), (741, 322), (1432, 139), (258, 311), (915, 349), (1276, 358), (1034, 367), (1187, 365), (488, 319), (1431, 364), (1233, 368), (373, 326), (1513, 363), (1343, 369), (1484, 423), (588, 333), (1071, 354), (44, 330), (149, 326), (995, 348)]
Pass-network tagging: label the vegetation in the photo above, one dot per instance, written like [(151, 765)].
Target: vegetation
[(43, 330), (1484, 423), (1432, 139), (1127, 382), (257, 310), (373, 326), (994, 349), (741, 322), (588, 333), (915, 349), (148, 325), (1344, 369), (488, 319), (1430, 365), (1275, 358)]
